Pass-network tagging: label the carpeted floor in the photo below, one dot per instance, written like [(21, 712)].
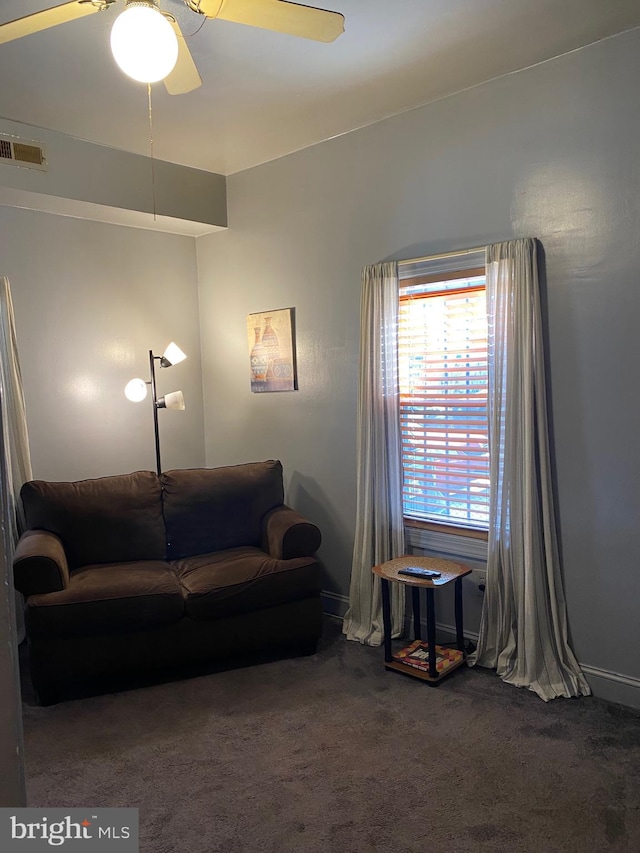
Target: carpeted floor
[(331, 753)]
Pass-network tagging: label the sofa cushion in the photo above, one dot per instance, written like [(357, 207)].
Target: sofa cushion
[(104, 599), (107, 520), (241, 580), (212, 509)]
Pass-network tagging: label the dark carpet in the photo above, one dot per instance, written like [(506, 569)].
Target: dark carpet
[(331, 753)]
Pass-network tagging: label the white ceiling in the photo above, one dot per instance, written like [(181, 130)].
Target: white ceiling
[(265, 94)]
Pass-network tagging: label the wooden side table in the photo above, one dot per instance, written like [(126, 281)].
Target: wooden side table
[(449, 572)]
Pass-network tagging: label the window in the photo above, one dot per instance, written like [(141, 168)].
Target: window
[(442, 349)]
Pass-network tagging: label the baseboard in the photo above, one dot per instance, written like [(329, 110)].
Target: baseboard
[(449, 632), (613, 686), (334, 604), (444, 633)]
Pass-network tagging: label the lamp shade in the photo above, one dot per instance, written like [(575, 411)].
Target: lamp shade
[(136, 390), (174, 400), (143, 42), (173, 355)]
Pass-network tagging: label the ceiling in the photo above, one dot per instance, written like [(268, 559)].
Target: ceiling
[(265, 94)]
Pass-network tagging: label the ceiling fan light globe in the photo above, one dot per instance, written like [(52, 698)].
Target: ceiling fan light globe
[(144, 44)]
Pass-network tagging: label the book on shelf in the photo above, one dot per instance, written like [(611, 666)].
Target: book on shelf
[(416, 654)]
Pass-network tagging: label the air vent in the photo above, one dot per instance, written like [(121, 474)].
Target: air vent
[(22, 152)]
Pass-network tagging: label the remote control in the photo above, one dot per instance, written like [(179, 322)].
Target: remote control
[(417, 572)]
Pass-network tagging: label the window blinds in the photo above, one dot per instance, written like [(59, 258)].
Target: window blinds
[(442, 351)]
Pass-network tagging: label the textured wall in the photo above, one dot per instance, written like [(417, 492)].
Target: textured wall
[(550, 152), (90, 301)]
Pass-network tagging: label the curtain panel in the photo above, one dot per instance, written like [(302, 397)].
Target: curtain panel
[(523, 630), (379, 534), (15, 460)]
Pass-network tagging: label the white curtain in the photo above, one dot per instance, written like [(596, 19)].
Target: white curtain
[(379, 518), (523, 631), (15, 463)]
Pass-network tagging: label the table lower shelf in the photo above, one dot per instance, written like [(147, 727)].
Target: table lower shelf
[(447, 660)]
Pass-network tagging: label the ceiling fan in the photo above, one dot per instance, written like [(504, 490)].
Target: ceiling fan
[(169, 48)]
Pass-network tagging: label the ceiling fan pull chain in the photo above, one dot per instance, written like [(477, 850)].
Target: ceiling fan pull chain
[(153, 170), (194, 5), (101, 5)]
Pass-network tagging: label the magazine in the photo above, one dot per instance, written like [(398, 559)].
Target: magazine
[(417, 655)]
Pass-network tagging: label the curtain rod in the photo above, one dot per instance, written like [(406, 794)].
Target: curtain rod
[(443, 255)]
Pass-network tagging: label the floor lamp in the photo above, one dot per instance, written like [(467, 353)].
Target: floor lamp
[(136, 390)]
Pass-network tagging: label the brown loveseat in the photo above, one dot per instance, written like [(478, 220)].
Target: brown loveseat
[(125, 576)]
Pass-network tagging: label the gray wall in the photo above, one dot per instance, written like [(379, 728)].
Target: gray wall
[(550, 152), (90, 301)]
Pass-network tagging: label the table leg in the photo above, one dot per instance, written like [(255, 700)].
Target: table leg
[(386, 619), (458, 609), (431, 632), (417, 628)]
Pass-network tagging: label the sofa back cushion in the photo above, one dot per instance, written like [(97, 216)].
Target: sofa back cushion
[(211, 509), (107, 520)]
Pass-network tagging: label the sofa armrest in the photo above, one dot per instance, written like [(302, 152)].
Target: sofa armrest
[(40, 564), (287, 534)]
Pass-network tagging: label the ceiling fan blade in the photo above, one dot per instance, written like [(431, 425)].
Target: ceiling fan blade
[(279, 15), (48, 18), (184, 77)]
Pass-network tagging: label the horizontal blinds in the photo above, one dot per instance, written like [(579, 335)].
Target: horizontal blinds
[(442, 349)]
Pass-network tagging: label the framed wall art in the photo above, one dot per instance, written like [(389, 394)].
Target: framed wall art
[(272, 350)]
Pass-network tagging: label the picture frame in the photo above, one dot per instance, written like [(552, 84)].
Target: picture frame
[(272, 350)]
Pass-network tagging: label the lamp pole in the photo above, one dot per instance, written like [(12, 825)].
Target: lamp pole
[(154, 403), (137, 389)]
